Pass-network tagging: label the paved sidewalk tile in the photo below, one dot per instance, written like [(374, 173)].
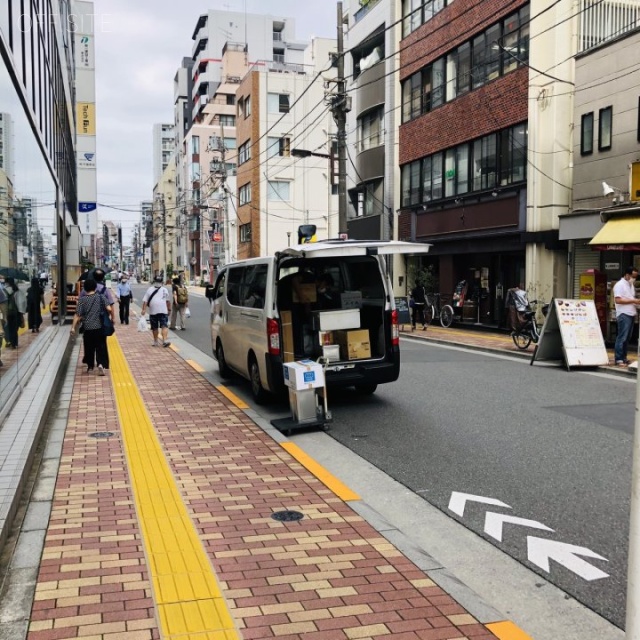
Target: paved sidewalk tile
[(327, 576)]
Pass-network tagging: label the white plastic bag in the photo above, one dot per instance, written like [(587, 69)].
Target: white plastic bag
[(142, 324), (187, 313)]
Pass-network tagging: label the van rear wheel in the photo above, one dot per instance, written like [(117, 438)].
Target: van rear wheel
[(257, 390), (366, 389), (223, 367)]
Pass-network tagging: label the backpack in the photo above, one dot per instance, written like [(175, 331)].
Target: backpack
[(182, 295)]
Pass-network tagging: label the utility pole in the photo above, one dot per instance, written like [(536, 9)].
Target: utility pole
[(164, 234), (340, 107)]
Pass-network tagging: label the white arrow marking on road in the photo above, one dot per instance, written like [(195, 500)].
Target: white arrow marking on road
[(493, 524), (458, 500), (540, 551)]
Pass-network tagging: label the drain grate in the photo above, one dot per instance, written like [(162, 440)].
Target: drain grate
[(287, 516), (102, 434)]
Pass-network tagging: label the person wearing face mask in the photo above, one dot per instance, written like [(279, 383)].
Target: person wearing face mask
[(624, 294)]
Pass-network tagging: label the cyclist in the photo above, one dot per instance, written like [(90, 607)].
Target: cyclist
[(418, 303)]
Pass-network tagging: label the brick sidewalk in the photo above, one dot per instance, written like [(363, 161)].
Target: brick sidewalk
[(328, 576)]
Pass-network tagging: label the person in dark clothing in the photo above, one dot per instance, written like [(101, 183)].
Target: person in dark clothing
[(13, 317), (89, 312), (35, 302), (418, 303)]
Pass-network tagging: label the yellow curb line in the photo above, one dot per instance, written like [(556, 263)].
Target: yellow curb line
[(507, 631), (195, 365), (329, 480), (174, 348), (241, 404), (187, 595)]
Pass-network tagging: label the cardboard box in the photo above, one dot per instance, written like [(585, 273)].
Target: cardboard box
[(325, 337), (287, 337), (303, 374), (351, 300), (333, 320), (305, 293), (354, 345), (331, 352)]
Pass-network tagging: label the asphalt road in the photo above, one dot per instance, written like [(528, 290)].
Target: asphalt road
[(552, 449)]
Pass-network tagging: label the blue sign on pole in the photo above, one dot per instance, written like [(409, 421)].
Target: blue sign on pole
[(84, 207)]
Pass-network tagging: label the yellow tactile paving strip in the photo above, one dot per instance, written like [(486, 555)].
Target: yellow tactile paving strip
[(188, 598), (329, 480), (508, 631)]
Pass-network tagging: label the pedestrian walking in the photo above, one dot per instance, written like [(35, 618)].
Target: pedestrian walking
[(3, 314), (418, 303), (35, 302), (624, 294), (180, 304), (158, 300), (14, 319), (89, 312), (124, 295)]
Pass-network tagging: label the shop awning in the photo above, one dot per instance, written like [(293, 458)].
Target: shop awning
[(618, 234)]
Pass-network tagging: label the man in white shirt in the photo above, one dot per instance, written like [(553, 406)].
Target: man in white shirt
[(158, 300), (624, 294)]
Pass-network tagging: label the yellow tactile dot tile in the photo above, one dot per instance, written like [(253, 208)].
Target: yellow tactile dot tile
[(188, 597)]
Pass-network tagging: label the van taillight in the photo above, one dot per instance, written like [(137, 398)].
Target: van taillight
[(273, 336), (395, 332)]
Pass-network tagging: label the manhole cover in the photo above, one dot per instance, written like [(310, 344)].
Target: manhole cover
[(102, 434), (287, 516)]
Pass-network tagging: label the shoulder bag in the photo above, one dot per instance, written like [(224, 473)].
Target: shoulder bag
[(107, 326)]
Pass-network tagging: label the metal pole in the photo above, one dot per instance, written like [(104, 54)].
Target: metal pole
[(340, 114), (632, 625)]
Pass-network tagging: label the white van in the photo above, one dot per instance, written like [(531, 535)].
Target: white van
[(330, 299)]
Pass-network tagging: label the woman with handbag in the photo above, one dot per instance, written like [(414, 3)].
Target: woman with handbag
[(91, 311)]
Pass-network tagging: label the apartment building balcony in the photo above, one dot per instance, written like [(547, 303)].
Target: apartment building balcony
[(280, 67), (365, 7)]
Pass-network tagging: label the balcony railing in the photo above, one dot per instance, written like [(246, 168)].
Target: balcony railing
[(365, 7)]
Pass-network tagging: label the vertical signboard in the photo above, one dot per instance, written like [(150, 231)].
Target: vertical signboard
[(86, 120)]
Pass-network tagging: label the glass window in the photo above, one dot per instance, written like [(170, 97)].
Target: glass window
[(438, 80), (464, 68), (370, 130), (406, 185), (436, 175), (510, 38), (415, 182), (279, 190), (244, 152), (479, 56), (273, 146), (493, 52), (426, 89), (426, 179), (462, 168), (450, 172), (452, 75), (234, 285), (244, 194), (519, 154), (227, 120), (489, 161), (229, 143), (247, 106), (195, 144), (245, 232), (604, 128), (254, 286), (277, 103), (406, 100)]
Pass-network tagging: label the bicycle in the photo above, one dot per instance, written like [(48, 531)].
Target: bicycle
[(435, 309), (530, 330)]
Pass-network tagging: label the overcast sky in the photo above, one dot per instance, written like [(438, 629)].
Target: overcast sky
[(139, 46)]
